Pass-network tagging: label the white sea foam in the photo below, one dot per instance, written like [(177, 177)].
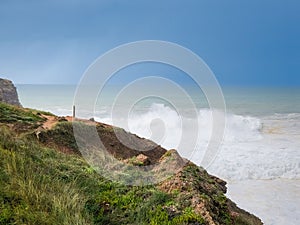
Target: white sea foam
[(251, 148), (238, 128)]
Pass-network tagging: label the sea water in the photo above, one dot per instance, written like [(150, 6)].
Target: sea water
[(260, 153)]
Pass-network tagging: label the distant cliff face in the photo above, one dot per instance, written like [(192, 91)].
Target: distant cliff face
[(8, 92)]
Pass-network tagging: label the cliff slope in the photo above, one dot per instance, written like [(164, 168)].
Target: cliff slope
[(44, 179)]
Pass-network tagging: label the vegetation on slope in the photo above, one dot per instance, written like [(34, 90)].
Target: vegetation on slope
[(42, 185), (19, 119)]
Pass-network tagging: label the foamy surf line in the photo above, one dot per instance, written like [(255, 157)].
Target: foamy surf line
[(248, 150)]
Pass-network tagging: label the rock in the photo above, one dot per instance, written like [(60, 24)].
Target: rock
[(8, 93), (140, 160), (143, 159)]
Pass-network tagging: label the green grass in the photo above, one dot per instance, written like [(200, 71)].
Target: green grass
[(36, 188), (20, 119), (42, 186), (13, 114)]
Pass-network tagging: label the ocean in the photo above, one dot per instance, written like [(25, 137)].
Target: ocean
[(260, 153)]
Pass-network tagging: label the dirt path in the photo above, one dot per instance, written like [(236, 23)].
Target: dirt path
[(51, 121)]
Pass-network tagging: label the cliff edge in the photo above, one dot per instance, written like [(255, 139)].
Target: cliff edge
[(45, 180)]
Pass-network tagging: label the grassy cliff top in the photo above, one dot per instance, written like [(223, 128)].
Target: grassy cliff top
[(45, 180)]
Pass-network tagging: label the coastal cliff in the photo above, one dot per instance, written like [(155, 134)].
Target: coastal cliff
[(45, 180), (8, 93)]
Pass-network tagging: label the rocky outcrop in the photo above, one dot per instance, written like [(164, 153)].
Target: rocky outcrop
[(8, 93), (206, 195)]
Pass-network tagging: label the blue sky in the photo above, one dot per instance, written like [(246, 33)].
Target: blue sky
[(244, 42)]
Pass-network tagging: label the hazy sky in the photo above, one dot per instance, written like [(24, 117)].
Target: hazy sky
[(253, 42)]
